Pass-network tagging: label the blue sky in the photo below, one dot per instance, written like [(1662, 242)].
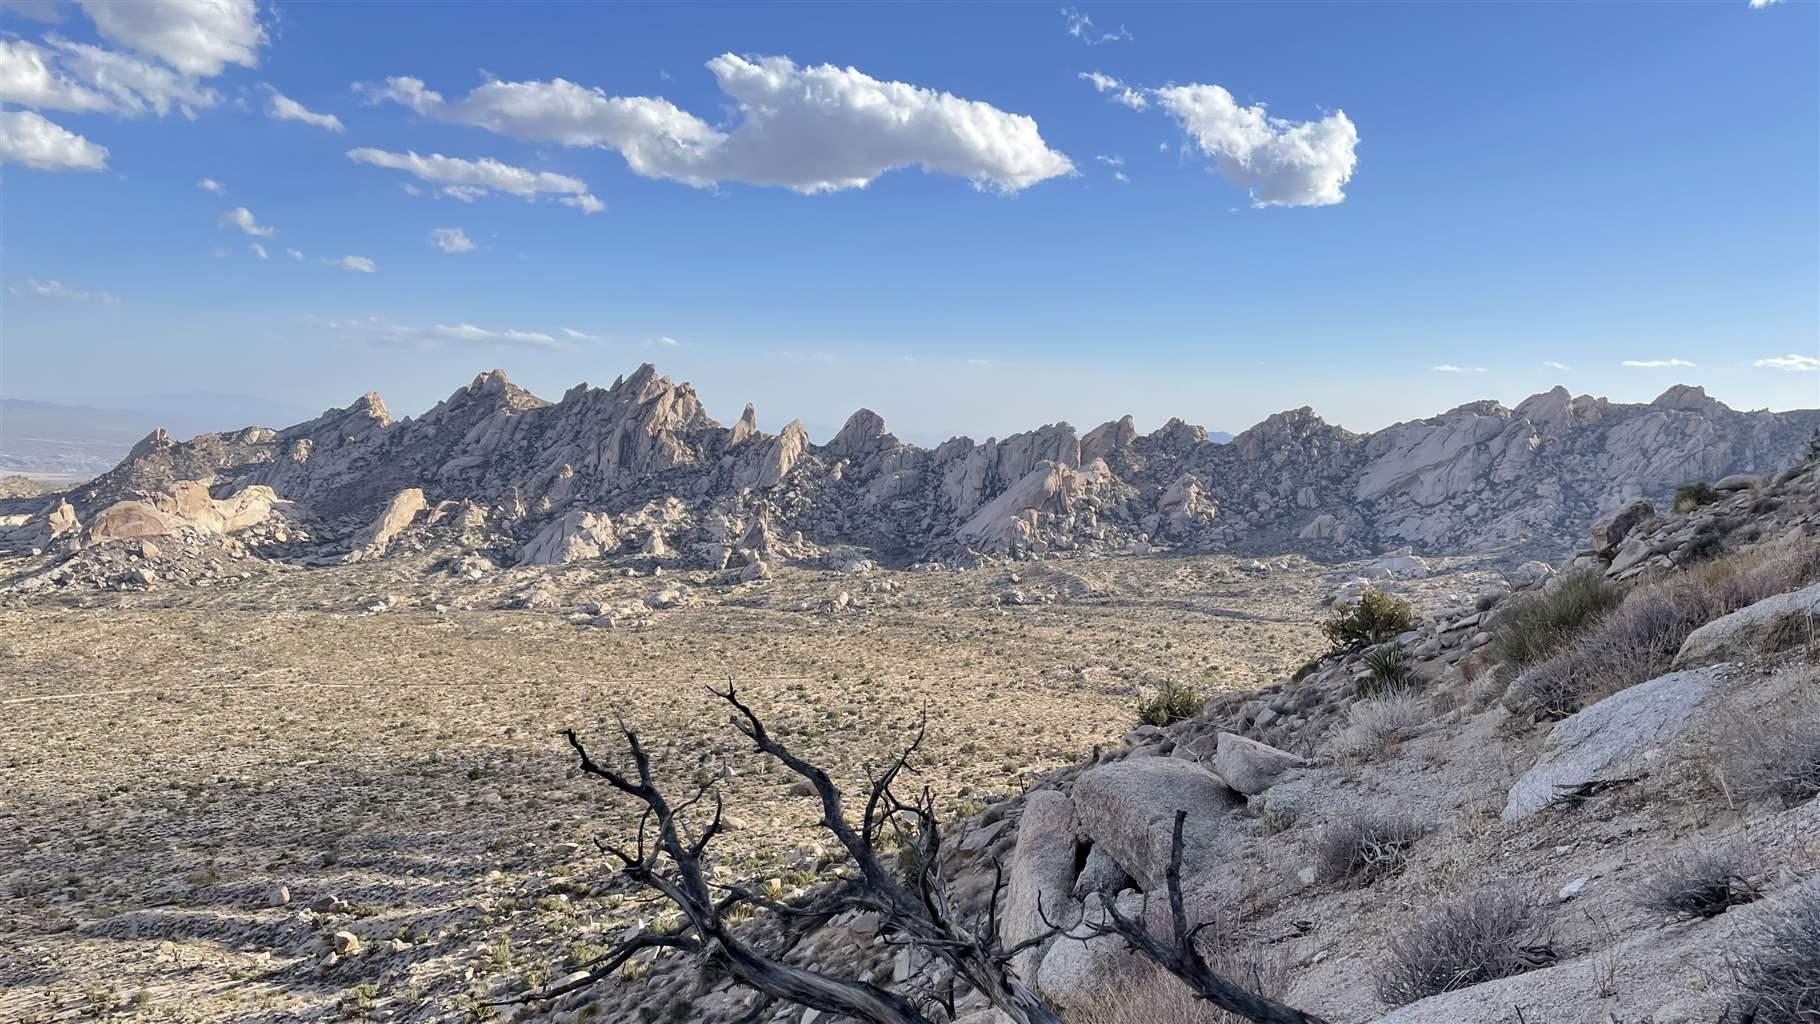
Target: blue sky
[(1371, 192)]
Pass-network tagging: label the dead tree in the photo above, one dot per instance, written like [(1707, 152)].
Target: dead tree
[(913, 907), (1181, 954)]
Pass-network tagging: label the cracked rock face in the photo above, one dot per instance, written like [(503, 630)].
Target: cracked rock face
[(1480, 477)]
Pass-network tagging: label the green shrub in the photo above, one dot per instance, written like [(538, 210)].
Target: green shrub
[(1691, 496), (1533, 626), (1390, 670), (1374, 618), (1640, 638), (1175, 702)]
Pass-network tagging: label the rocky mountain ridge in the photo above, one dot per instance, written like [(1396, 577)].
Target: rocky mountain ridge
[(639, 468)]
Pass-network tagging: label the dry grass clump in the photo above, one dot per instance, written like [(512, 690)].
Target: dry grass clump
[(1637, 641), (1373, 726), (1364, 846), (1374, 618), (1175, 702), (1777, 756), (1703, 881), (1147, 994), (1493, 933), (1775, 967), (1534, 625)]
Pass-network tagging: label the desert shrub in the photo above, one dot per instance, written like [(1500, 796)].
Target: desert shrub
[(1534, 625), (1493, 933), (1175, 702), (1390, 670), (1374, 618), (1147, 994), (1775, 965), (1703, 881), (1364, 846), (1373, 725), (1639, 639), (1634, 644), (1691, 496), (1777, 757)]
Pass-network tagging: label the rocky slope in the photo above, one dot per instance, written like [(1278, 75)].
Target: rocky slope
[(639, 468)]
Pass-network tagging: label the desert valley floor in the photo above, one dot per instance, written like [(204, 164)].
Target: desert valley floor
[(175, 763)]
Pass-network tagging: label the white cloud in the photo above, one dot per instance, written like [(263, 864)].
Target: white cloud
[(1121, 177), (1111, 161), (197, 37), (211, 185), (132, 86), (469, 332), (1791, 362), (809, 129), (1121, 93), (27, 138), (1654, 364), (451, 240), (59, 290), (582, 335), (26, 78), (1450, 368), (668, 342), (242, 218), (282, 108), (584, 203), (1282, 163), (357, 265), (380, 329), (1756, 5), (259, 251), (1551, 364), (296, 254), (1082, 27), (468, 180)]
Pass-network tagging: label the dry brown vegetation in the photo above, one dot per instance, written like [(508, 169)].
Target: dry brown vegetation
[(171, 758)]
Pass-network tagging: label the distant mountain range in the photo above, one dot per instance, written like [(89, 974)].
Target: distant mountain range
[(639, 467)]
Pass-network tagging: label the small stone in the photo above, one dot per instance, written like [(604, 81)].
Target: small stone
[(346, 943), (278, 896)]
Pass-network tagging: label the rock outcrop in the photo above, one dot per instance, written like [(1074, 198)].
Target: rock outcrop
[(1478, 477)]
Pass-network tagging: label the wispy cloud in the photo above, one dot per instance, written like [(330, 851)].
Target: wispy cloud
[(469, 332), (356, 265), (259, 251), (282, 108), (1121, 93), (1654, 364), (451, 240), (211, 185), (1082, 27), (468, 180), (666, 341), (582, 335), (296, 254), (1551, 364), (385, 331), (242, 218), (1792, 363), (1451, 368), (58, 290)]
